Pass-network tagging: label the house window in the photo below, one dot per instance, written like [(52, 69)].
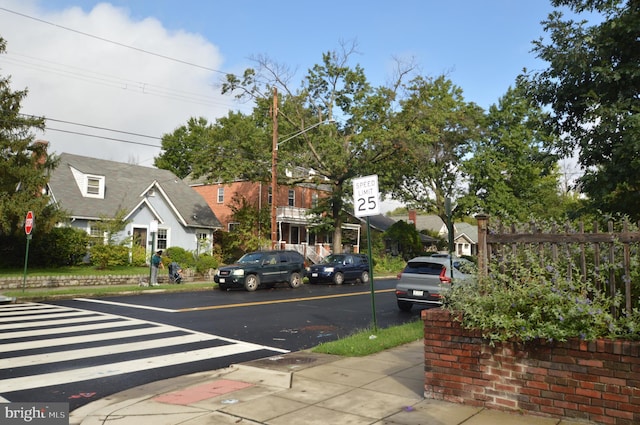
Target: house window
[(204, 241), (292, 197), (233, 226), (270, 200), (94, 186), (221, 195), (314, 200), (96, 236), (162, 238)]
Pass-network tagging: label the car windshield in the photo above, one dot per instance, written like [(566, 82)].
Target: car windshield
[(251, 258), (422, 267), (333, 259)]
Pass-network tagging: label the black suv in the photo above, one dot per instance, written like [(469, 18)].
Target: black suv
[(262, 268), (339, 268)]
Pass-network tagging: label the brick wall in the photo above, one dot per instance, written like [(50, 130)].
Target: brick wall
[(597, 381)]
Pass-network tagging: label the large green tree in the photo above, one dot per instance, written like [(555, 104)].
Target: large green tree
[(24, 168), (592, 86), (434, 130), (180, 148), (512, 172), (352, 146)]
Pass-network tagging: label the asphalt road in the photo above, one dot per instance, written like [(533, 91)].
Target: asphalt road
[(80, 350)]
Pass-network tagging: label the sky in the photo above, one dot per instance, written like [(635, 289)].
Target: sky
[(124, 73)]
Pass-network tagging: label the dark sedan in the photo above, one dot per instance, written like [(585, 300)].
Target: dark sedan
[(340, 268)]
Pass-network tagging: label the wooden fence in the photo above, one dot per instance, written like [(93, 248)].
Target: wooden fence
[(609, 248)]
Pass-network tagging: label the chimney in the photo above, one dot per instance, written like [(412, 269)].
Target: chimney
[(40, 149), (412, 217)]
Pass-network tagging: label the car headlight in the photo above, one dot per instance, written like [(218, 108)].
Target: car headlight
[(329, 269), (238, 272)]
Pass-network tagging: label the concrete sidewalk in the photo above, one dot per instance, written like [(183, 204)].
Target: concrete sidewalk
[(298, 388)]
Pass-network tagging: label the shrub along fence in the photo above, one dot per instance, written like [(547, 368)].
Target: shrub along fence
[(596, 380), (605, 257)]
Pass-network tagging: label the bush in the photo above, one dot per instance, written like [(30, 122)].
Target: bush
[(206, 262), (139, 256), (388, 264), (179, 255), (530, 301), (62, 246), (106, 256)]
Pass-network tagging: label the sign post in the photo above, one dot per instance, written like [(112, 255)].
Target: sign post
[(366, 202), (28, 227)]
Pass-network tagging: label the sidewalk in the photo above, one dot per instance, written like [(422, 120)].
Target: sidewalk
[(297, 389)]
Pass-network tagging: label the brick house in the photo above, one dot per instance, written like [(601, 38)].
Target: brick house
[(292, 205)]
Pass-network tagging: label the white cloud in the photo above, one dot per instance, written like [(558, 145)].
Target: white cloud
[(82, 79)]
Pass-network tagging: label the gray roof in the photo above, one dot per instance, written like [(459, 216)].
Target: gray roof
[(423, 221), (125, 185), (469, 230)]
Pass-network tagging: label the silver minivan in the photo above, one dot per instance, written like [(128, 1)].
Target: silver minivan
[(423, 279)]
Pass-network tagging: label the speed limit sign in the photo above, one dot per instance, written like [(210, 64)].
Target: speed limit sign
[(366, 198)]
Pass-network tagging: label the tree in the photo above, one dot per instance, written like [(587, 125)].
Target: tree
[(238, 148), (25, 166), (336, 153), (592, 85), (181, 148), (436, 127), (407, 238), (512, 172)]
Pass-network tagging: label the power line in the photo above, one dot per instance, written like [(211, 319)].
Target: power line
[(112, 80), (104, 137), (113, 42), (93, 126)]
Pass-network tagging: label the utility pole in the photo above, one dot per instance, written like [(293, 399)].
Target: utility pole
[(274, 169)]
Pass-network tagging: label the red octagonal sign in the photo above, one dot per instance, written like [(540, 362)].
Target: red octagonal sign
[(28, 223)]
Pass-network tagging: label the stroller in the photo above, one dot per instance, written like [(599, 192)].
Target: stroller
[(175, 273)]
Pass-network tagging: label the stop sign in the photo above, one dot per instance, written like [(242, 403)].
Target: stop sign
[(28, 223)]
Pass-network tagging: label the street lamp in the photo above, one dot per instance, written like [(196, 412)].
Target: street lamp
[(274, 163)]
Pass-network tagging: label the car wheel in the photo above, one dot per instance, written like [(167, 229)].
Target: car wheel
[(364, 277), (338, 278), (252, 282), (404, 305), (295, 280)]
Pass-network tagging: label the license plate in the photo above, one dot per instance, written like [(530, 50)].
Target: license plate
[(221, 279), (314, 274), (418, 293)]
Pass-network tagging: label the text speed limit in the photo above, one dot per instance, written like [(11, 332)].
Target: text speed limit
[(366, 197)]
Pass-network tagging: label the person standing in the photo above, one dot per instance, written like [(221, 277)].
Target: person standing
[(156, 263)]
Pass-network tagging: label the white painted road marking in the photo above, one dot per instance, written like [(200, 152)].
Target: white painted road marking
[(18, 324)]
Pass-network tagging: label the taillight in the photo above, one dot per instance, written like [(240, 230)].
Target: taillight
[(443, 276)]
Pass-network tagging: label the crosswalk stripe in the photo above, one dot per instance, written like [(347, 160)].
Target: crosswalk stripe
[(28, 309), (112, 369), (42, 335), (61, 356), (9, 325), (56, 342), (15, 333)]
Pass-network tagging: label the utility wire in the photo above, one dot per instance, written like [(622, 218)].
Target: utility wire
[(113, 42), (93, 126), (104, 137)]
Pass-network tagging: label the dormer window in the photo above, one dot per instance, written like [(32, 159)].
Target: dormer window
[(94, 186), (90, 185)]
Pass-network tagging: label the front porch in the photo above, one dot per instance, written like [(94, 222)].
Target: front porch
[(292, 224)]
